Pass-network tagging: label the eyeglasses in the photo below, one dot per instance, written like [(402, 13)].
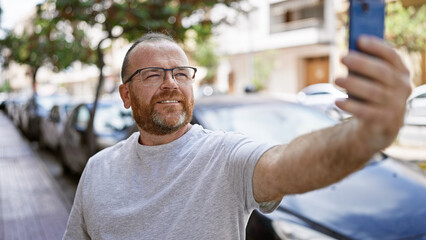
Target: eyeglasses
[(154, 76)]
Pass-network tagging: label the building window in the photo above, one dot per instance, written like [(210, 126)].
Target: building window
[(296, 14)]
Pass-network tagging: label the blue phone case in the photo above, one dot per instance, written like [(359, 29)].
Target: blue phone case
[(366, 17)]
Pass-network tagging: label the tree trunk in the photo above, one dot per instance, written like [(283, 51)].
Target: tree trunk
[(91, 139), (34, 83)]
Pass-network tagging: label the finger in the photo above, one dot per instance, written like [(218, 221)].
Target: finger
[(359, 109), (377, 47), (370, 67), (364, 89)]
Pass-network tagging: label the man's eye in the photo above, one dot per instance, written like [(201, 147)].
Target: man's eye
[(181, 74), (153, 75)]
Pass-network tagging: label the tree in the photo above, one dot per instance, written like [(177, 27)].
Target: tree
[(406, 27), (1, 15), (263, 65), (206, 56), (130, 19), (45, 43)]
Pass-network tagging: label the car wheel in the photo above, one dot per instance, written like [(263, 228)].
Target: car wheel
[(66, 170), (41, 142)]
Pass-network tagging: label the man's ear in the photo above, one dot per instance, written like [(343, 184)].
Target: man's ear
[(125, 95)]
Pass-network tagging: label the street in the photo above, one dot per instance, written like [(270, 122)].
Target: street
[(33, 203), (67, 182)]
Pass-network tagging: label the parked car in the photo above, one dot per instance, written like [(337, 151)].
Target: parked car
[(37, 108), (413, 133), (15, 108), (416, 107), (322, 97), (3, 100), (384, 200), (112, 123), (52, 126)]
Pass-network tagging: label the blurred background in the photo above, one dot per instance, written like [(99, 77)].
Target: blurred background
[(60, 67)]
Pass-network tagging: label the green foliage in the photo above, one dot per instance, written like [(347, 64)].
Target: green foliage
[(406, 27), (205, 55), (5, 87), (263, 66), (135, 17), (1, 14)]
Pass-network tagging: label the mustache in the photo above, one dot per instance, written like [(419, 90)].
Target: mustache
[(171, 94)]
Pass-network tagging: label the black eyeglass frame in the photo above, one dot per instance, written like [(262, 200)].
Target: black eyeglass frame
[(164, 69)]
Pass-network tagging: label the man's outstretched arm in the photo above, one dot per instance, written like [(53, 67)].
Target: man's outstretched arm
[(323, 157)]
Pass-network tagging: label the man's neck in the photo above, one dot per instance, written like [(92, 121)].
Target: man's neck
[(153, 140)]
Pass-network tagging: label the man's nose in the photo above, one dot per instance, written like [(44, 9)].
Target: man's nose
[(169, 81)]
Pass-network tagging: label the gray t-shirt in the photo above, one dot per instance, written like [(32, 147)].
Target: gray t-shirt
[(196, 187)]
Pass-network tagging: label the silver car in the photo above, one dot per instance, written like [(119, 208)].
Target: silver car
[(52, 126)]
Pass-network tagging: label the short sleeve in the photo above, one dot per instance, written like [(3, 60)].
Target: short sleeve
[(244, 154)]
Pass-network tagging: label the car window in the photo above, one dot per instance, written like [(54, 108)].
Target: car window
[(319, 93), (68, 108), (83, 117), (54, 113), (422, 95), (45, 103), (273, 123)]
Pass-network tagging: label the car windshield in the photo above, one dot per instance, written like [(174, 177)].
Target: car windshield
[(272, 123), (47, 102), (111, 118)]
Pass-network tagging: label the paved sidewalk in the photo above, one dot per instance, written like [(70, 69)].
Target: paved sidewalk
[(31, 204)]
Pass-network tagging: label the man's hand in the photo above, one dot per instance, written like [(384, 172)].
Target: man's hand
[(383, 83)]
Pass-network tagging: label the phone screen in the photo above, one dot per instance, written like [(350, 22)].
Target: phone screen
[(366, 17)]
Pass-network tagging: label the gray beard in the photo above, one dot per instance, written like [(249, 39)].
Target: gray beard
[(166, 129), (152, 122)]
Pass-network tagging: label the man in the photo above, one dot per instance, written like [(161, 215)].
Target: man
[(172, 180)]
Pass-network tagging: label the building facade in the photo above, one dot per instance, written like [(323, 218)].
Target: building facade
[(281, 46), (285, 45)]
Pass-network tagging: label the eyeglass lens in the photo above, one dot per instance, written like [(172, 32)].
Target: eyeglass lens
[(154, 76)]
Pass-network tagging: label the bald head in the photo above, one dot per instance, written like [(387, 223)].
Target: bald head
[(147, 38)]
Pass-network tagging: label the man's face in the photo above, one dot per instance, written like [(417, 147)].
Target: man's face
[(166, 108)]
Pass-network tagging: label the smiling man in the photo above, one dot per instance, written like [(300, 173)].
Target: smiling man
[(174, 180), (162, 98)]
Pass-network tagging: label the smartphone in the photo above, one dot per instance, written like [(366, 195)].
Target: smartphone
[(366, 17)]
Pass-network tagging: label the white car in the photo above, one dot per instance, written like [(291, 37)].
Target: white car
[(416, 107), (322, 96), (413, 133)]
